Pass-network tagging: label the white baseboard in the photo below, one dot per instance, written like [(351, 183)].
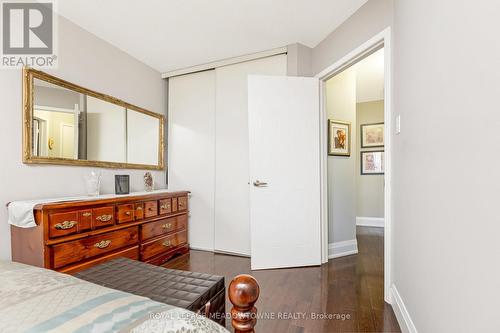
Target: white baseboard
[(341, 249), (229, 253), (370, 221), (206, 249), (402, 314), (200, 248)]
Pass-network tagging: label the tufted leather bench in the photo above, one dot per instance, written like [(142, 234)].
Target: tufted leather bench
[(197, 292)]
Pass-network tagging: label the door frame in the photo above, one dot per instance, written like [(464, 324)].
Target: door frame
[(382, 39)]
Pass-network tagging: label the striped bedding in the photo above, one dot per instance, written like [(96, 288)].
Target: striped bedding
[(36, 300)]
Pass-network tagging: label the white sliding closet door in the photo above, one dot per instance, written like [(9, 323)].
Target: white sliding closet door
[(191, 150), (232, 221)]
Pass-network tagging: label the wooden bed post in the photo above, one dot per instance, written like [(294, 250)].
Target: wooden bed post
[(243, 293)]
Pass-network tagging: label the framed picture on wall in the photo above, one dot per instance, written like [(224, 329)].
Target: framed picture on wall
[(372, 135), (339, 138), (372, 162)]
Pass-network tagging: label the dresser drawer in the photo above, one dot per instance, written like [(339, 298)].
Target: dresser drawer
[(139, 211), (129, 252), (150, 209), (103, 217), (182, 203), (125, 213), (71, 252), (165, 226), (62, 224), (174, 205), (166, 256), (165, 206), (163, 244), (85, 220)]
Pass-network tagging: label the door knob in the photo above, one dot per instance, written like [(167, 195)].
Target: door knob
[(258, 183)]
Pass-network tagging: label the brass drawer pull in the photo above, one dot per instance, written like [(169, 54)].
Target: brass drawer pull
[(104, 218), (167, 226), (167, 243), (86, 214), (65, 225), (128, 213), (139, 208), (102, 244)]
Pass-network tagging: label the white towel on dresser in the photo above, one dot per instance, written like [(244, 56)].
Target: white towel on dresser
[(21, 212)]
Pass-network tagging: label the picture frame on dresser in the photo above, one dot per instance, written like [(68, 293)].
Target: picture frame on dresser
[(122, 184)]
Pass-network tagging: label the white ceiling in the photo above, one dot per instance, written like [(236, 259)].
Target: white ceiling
[(370, 78), (174, 34)]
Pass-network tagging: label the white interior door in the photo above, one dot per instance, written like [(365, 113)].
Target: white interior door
[(284, 133), (67, 141), (191, 150), (232, 213)]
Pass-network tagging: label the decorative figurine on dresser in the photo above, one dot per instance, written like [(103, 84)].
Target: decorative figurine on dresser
[(69, 236), (148, 182)]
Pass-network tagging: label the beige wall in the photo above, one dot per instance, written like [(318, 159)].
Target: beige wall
[(369, 188), (299, 60), (445, 218), (446, 179), (341, 105), (373, 17), (93, 63)]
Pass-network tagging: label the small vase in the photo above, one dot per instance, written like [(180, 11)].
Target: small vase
[(93, 183)]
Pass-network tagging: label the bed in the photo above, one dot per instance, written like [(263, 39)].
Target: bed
[(34, 300)]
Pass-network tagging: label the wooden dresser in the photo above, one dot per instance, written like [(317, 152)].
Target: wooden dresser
[(74, 235)]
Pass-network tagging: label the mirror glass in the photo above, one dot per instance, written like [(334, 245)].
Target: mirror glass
[(55, 121), (106, 131), (68, 124), (142, 138)]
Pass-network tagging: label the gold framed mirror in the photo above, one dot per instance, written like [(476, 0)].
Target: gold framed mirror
[(64, 123)]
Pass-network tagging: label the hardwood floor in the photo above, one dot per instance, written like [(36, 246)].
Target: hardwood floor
[(351, 287)]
